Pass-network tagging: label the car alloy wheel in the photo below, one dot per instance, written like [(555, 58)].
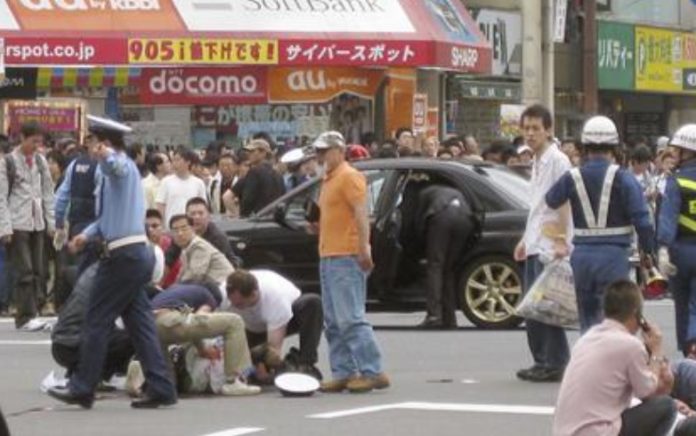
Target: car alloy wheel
[(491, 289)]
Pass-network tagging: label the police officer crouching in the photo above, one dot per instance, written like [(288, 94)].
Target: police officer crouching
[(123, 273), (676, 236), (607, 203)]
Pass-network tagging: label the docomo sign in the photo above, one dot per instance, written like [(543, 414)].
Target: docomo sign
[(203, 86)]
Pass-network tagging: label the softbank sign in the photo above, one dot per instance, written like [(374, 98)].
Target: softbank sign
[(374, 16), (203, 86)]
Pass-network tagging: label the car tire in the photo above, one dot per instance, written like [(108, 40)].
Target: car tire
[(489, 289)]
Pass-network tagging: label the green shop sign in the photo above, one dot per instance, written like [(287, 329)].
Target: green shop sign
[(615, 55)]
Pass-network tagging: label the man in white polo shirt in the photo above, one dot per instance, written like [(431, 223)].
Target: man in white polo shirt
[(273, 308)]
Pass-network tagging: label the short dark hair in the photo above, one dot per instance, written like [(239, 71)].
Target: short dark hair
[(401, 130), (153, 213), (31, 128), (231, 156), (179, 217), (622, 300), (538, 111), (154, 160), (641, 154), (243, 282), (197, 201), (57, 157), (188, 155)]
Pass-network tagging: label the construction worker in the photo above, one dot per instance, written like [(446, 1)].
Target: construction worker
[(676, 237), (607, 204)]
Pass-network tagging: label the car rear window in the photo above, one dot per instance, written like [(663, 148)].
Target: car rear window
[(511, 185)]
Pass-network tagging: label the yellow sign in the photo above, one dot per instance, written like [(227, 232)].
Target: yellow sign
[(664, 60), (202, 51)]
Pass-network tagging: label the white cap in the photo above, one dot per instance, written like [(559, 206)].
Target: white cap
[(329, 139), (296, 155), (106, 125), (599, 130), (662, 143), (524, 149), (685, 137)]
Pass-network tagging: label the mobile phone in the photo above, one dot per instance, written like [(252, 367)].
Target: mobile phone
[(643, 323)]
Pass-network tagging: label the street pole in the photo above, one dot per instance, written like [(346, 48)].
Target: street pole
[(532, 65), (589, 58), (548, 55)]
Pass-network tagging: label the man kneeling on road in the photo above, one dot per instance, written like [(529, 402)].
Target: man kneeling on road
[(608, 366), (183, 315), (273, 308)]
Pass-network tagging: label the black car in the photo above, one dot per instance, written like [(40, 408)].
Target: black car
[(277, 237)]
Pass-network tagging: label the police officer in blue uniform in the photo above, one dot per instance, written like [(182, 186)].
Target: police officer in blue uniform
[(75, 203), (607, 204), (676, 237), (122, 275)]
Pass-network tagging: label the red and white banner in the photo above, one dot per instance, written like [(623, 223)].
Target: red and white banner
[(203, 86), (65, 51)]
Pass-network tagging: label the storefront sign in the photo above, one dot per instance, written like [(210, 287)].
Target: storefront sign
[(296, 16), (662, 58), (505, 91), (615, 55), (279, 120), (202, 51), (503, 30), (321, 84), (203, 86), (420, 113), (560, 11), (18, 83), (363, 52), (79, 15), (51, 117), (65, 51)]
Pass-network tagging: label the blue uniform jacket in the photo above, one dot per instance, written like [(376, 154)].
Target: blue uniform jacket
[(120, 205), (667, 224), (627, 205)]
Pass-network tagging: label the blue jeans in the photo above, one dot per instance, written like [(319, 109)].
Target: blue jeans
[(683, 287), (353, 348), (596, 266), (119, 290), (548, 344)]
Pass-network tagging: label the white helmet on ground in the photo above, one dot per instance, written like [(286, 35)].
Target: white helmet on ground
[(599, 130), (685, 137)]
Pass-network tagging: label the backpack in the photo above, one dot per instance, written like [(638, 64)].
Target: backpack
[(11, 168)]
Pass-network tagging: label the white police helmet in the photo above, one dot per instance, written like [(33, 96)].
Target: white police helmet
[(685, 137), (599, 130)]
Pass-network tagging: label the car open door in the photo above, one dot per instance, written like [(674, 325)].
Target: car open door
[(386, 228)]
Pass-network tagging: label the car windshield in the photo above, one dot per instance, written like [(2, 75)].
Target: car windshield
[(509, 183)]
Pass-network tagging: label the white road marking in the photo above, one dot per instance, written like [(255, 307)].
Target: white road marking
[(444, 407), (236, 431), (21, 342)]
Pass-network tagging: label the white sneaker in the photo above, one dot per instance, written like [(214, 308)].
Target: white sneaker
[(134, 379), (33, 325), (239, 388)]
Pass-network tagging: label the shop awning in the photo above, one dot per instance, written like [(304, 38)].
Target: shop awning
[(380, 33)]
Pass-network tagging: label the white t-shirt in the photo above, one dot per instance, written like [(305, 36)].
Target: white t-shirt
[(274, 308), (174, 192)]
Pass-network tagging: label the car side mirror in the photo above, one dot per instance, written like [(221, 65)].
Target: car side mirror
[(280, 216)]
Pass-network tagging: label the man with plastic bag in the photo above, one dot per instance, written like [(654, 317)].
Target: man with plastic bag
[(676, 236), (607, 204), (547, 343)]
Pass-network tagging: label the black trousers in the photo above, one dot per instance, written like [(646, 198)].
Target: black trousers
[(27, 257), (653, 417), (119, 353), (446, 234), (307, 321)]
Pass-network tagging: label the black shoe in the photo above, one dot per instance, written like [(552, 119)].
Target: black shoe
[(524, 374), (64, 395), (543, 375), (430, 322), (310, 370), (148, 402)]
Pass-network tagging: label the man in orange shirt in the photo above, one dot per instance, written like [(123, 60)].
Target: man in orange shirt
[(346, 259)]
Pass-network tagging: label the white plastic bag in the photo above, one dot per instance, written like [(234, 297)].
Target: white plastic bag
[(552, 299)]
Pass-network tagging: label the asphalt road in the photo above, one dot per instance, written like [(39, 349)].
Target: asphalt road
[(444, 383)]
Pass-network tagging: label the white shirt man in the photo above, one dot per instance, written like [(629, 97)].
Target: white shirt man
[(174, 192)]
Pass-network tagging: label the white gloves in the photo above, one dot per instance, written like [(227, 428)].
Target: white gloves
[(59, 239), (665, 266)]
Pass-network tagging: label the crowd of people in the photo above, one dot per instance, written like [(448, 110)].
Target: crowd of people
[(136, 260)]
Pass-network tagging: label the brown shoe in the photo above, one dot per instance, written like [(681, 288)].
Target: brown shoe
[(335, 386), (366, 384)]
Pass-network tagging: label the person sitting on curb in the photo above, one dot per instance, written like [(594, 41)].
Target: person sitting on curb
[(608, 366)]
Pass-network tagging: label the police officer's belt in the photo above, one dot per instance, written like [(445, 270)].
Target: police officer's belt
[(128, 240)]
